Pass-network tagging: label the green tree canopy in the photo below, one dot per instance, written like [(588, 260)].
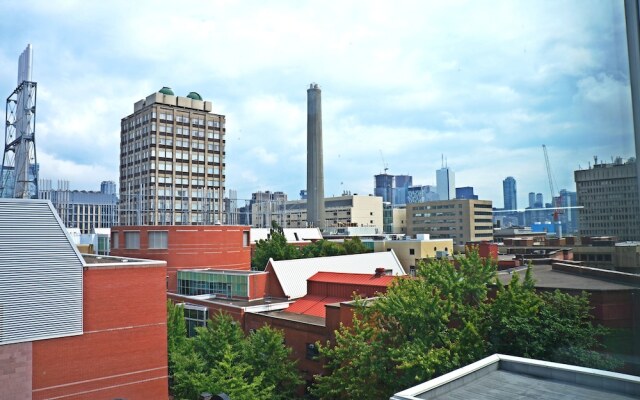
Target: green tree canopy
[(444, 319), (220, 358), (277, 247)]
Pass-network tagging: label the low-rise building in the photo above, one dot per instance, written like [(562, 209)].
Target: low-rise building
[(76, 326), (460, 220), (409, 251), (341, 211), (226, 247)]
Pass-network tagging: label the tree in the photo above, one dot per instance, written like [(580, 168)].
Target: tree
[(275, 247), (267, 353), (220, 358), (418, 329), (177, 342), (444, 319), (355, 246)]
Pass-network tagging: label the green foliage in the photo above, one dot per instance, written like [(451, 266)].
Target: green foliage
[(176, 333), (266, 351), (444, 319), (276, 247), (222, 359), (419, 329)]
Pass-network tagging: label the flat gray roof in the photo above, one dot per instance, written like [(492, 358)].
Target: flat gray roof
[(502, 377), (546, 277), (505, 385)]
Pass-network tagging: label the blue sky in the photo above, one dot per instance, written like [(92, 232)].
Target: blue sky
[(484, 83)]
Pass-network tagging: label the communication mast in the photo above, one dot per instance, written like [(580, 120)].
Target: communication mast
[(19, 172)]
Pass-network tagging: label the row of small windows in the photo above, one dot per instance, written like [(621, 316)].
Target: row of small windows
[(156, 239)]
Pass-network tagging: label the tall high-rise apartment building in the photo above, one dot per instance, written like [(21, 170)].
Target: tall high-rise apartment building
[(609, 195), (446, 183), (172, 161), (509, 193)]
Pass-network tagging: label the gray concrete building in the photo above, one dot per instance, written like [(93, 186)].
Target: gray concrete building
[(609, 194), (172, 161), (85, 210)]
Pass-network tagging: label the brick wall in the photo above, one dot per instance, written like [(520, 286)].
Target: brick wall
[(15, 371), (123, 350)]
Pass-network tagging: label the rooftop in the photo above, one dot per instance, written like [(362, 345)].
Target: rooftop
[(92, 260), (293, 274), (547, 276), (501, 377), (352, 279)]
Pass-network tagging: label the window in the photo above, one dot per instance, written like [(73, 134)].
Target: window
[(132, 240), (412, 251), (245, 239), (158, 239), (312, 351), (115, 240)]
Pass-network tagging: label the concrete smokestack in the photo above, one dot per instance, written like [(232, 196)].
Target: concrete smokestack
[(315, 170)]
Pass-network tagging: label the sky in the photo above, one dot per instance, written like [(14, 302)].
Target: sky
[(404, 83)]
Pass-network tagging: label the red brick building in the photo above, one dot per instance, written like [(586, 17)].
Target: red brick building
[(122, 352), (185, 246), (316, 316), (74, 326)]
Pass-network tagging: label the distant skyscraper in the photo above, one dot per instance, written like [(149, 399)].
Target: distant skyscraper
[(421, 194), (384, 187), (315, 170), (172, 169), (539, 201), (403, 182), (465, 193), (509, 193), (445, 183), (532, 200), (108, 187)]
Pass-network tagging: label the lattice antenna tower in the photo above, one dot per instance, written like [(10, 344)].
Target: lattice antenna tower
[(19, 173)]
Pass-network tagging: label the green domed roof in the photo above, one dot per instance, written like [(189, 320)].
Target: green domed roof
[(167, 90), (194, 95)]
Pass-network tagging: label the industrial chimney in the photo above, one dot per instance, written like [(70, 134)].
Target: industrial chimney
[(315, 171)]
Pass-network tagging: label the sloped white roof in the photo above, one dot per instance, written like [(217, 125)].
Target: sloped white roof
[(293, 235), (293, 274)]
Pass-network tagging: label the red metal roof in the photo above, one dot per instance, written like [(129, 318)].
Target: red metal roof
[(313, 305), (352, 279)]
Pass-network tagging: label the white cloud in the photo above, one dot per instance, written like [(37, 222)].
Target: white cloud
[(484, 85)]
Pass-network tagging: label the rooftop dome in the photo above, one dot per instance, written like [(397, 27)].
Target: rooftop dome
[(167, 90), (194, 96)]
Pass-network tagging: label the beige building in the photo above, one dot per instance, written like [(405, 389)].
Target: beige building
[(623, 257), (410, 251), (341, 211), (460, 220), (172, 161), (609, 195)]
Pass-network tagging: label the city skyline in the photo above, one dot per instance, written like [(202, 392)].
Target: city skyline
[(487, 86)]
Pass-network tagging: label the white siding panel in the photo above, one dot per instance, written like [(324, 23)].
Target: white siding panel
[(40, 274)]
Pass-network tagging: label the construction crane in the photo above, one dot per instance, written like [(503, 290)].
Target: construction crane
[(384, 164), (556, 201)]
